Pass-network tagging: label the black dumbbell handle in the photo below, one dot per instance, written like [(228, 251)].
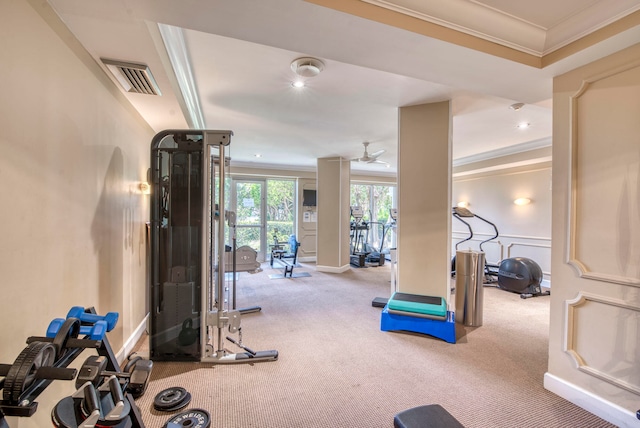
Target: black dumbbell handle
[(56, 373)]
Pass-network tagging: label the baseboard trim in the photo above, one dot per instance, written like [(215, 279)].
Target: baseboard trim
[(131, 342), (308, 259), (333, 269), (590, 402)]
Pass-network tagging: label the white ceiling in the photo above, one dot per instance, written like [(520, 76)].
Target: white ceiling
[(237, 55)]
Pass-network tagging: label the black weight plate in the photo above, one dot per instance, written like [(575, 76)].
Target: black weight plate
[(64, 414), (70, 328), (181, 405), (22, 372), (170, 398), (194, 418)]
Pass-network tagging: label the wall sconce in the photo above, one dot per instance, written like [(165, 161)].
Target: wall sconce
[(144, 187), (522, 201), (463, 204)]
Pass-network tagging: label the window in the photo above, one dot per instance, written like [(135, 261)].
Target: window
[(281, 212), (376, 202)]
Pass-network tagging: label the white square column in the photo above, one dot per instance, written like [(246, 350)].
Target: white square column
[(424, 199)]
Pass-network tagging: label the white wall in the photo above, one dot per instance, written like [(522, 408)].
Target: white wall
[(72, 219), (524, 231), (594, 340)]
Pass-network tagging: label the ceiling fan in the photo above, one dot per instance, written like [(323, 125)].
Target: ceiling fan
[(369, 158)]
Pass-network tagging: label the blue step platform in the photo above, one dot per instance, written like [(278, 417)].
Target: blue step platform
[(442, 329)]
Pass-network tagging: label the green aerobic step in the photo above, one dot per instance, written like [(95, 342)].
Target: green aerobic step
[(427, 305)]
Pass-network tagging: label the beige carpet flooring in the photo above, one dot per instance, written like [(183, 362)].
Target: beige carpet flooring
[(336, 368)]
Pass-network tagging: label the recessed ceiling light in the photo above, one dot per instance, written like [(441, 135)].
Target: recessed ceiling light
[(258, 155), (523, 125), (298, 84)]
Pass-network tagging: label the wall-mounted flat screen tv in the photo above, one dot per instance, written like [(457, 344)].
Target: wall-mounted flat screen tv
[(308, 198)]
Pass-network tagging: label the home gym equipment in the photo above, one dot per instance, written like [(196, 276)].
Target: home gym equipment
[(417, 305), (460, 213), (188, 257), (419, 314), (95, 331), (516, 274), (248, 263), (429, 416), (133, 379), (521, 275), (193, 418), (358, 237), (362, 253), (91, 406), (469, 298), (287, 259), (46, 359), (110, 318), (171, 399)]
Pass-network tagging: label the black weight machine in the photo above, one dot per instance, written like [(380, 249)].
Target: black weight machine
[(192, 301)]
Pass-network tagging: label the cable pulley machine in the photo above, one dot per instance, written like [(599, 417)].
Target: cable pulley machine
[(191, 310)]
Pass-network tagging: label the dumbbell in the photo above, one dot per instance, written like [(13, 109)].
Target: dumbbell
[(95, 331), (111, 318)]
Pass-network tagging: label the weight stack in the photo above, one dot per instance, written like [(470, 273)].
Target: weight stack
[(469, 289)]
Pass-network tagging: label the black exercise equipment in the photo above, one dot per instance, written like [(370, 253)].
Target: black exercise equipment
[(46, 359), (430, 416), (521, 275), (134, 378), (286, 259), (191, 296), (91, 406), (171, 399), (193, 418), (516, 274), (362, 253), (460, 213)]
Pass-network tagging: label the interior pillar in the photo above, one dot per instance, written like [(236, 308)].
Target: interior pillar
[(424, 199), (333, 186)]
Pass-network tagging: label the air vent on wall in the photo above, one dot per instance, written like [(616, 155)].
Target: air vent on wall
[(134, 78)]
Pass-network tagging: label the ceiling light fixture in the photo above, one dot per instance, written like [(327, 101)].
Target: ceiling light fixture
[(258, 155), (298, 84), (522, 201), (307, 67), (523, 125), (516, 106)]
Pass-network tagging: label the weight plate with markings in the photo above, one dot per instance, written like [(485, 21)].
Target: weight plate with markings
[(23, 371), (194, 418), (171, 399), (69, 329), (181, 405)]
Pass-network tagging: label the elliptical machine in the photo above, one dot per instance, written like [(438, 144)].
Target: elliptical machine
[(490, 271), (517, 274)]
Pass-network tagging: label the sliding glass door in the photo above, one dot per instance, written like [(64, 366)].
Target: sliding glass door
[(248, 199)]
